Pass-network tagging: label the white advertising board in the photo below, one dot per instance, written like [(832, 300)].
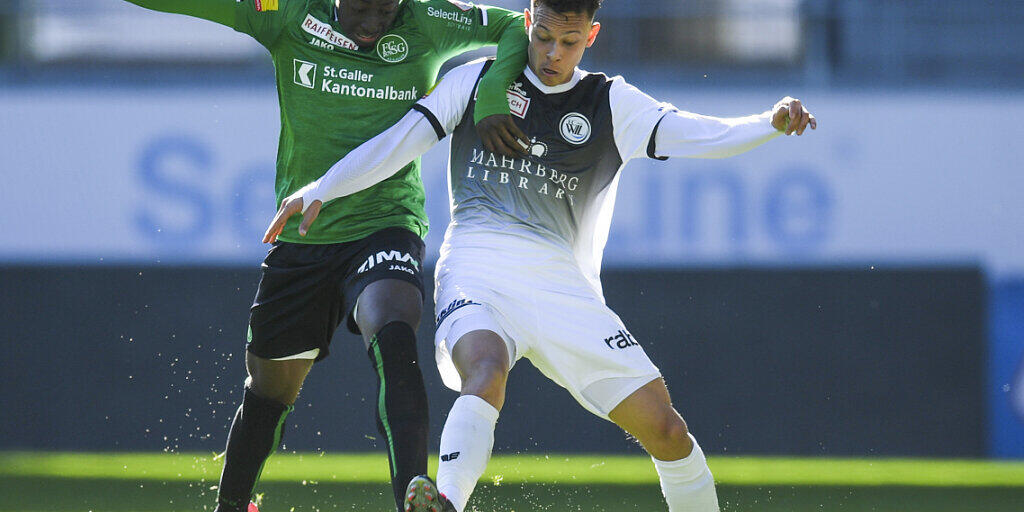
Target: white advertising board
[(186, 177)]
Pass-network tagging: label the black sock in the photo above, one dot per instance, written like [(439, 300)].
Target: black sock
[(401, 404), (255, 433)]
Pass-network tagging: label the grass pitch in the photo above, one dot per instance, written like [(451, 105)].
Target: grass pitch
[(122, 482)]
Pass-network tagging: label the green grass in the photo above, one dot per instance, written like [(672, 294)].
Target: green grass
[(552, 469), (134, 482)]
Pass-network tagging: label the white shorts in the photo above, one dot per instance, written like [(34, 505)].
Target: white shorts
[(563, 328)]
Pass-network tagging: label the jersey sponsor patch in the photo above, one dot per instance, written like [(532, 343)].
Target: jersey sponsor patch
[(323, 31), (304, 73), (518, 104), (459, 18), (265, 5)]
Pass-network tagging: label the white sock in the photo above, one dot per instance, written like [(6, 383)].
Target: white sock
[(466, 443), (687, 483)]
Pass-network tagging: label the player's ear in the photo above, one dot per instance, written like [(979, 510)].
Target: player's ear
[(529, 19), (594, 29)]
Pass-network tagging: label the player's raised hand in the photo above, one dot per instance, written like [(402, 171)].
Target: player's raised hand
[(501, 135), (290, 206), (790, 115)]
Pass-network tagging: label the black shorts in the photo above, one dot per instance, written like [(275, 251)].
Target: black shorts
[(307, 290)]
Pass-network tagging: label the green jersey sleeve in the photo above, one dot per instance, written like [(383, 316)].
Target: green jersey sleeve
[(261, 19), (456, 27)]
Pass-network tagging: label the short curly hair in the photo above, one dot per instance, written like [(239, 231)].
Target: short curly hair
[(563, 6)]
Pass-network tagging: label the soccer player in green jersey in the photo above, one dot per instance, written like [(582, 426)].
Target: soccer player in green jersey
[(346, 70)]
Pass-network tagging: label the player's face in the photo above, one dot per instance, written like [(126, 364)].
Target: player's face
[(557, 42), (365, 21)]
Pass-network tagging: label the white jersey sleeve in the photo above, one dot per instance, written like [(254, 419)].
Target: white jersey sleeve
[(445, 105), (377, 159), (635, 115), (646, 127)]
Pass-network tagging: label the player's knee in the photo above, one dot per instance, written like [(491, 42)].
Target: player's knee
[(279, 381), (668, 437), (486, 378), (384, 302), (281, 392)]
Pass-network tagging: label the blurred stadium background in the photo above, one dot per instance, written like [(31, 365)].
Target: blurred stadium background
[(840, 316)]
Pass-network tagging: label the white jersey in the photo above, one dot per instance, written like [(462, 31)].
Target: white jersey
[(522, 255), (560, 197)]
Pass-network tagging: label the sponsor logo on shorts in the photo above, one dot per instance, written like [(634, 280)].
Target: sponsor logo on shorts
[(621, 339), (392, 48), (304, 73), (448, 457), (396, 258), (451, 308), (575, 128)]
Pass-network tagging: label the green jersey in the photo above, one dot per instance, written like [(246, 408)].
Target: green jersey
[(334, 96)]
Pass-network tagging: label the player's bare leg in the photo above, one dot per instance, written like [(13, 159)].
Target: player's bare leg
[(686, 481), (482, 359), (388, 313), (270, 393)]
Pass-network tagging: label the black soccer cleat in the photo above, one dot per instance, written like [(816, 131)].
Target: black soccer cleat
[(422, 496)]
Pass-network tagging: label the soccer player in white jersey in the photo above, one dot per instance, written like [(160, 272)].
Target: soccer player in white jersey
[(518, 274)]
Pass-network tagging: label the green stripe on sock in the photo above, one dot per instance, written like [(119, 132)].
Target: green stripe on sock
[(278, 432), (381, 408)]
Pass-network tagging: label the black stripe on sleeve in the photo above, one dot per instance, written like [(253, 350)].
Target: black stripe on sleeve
[(651, 149), (438, 129)]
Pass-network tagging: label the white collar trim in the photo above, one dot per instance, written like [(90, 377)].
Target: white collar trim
[(577, 75)]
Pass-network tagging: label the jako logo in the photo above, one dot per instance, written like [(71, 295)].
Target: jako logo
[(623, 339), (392, 48), (376, 259), (448, 457), (575, 128), (304, 73)]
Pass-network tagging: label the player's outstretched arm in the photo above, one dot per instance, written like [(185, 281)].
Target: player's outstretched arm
[(219, 11), (372, 162), (258, 18), (430, 120), (479, 26), (647, 127), (688, 135)]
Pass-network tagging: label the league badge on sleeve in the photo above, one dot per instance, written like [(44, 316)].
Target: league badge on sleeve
[(265, 5)]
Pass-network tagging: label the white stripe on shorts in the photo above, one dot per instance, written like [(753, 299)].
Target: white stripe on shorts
[(309, 354)]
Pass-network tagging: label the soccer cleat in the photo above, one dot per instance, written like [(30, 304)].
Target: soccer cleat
[(252, 507), (422, 496)]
